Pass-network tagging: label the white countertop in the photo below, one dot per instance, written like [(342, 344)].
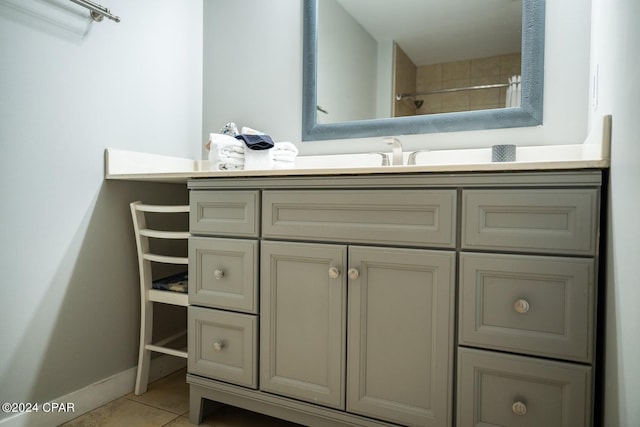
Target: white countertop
[(136, 166), (594, 153)]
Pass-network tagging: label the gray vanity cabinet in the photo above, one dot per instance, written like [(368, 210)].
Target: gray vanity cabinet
[(432, 300)]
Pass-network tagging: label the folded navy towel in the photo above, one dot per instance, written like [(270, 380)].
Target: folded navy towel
[(256, 142), (176, 283)]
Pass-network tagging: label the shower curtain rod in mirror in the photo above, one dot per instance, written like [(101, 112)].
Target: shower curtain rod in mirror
[(401, 96), (98, 12)]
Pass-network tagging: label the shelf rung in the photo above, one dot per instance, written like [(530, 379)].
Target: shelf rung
[(168, 297), (165, 350), (166, 259), (159, 234)]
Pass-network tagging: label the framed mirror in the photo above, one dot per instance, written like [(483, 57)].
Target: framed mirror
[(364, 92)]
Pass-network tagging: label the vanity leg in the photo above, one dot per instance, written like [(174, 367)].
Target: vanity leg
[(200, 407)]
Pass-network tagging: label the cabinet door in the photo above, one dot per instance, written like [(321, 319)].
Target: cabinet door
[(303, 321), (400, 335)]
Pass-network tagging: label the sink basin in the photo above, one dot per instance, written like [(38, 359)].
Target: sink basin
[(480, 157), (453, 157), (339, 161), (369, 160)]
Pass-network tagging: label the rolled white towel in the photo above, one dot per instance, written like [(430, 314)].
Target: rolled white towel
[(278, 158), (284, 151), (231, 164), (285, 148), (284, 155), (226, 152), (281, 156), (258, 159)]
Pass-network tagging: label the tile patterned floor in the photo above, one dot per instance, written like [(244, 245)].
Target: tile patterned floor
[(166, 404)]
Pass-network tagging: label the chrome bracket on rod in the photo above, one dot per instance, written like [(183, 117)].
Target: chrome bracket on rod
[(98, 12)]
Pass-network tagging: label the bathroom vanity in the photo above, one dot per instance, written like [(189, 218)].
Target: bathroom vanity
[(413, 299), (434, 295)]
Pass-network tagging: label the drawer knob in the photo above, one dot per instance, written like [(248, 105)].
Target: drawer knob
[(218, 274), (353, 273), (519, 408), (334, 272), (217, 346), (521, 306)]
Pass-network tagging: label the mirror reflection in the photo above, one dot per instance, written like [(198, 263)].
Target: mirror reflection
[(380, 59)]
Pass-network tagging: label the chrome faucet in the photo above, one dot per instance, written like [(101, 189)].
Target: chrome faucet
[(411, 161), (385, 159), (396, 148)]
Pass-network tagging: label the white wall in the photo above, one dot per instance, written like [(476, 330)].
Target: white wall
[(347, 71), (266, 92), (70, 88), (615, 55), (384, 91), (253, 70)]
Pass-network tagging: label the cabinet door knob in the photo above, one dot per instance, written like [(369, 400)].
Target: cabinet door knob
[(353, 273), (218, 274), (519, 408), (217, 346), (521, 305), (334, 272)]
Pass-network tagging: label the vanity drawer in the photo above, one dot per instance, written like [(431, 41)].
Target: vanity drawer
[(528, 304), (223, 273), (224, 213), (407, 217), (552, 221), (504, 390), (223, 346)]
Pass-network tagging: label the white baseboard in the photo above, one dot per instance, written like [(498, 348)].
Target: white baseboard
[(92, 396)]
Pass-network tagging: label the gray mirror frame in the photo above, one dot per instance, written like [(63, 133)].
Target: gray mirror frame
[(528, 114)]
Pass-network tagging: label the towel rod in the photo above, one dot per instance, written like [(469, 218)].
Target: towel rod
[(401, 96), (98, 12)]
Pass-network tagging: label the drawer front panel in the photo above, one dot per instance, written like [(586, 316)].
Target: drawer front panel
[(223, 346), (535, 305), (408, 217), (224, 213), (553, 221), (504, 390), (224, 273)]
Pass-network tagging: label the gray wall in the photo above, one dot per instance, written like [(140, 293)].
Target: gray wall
[(615, 30), (70, 88)]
